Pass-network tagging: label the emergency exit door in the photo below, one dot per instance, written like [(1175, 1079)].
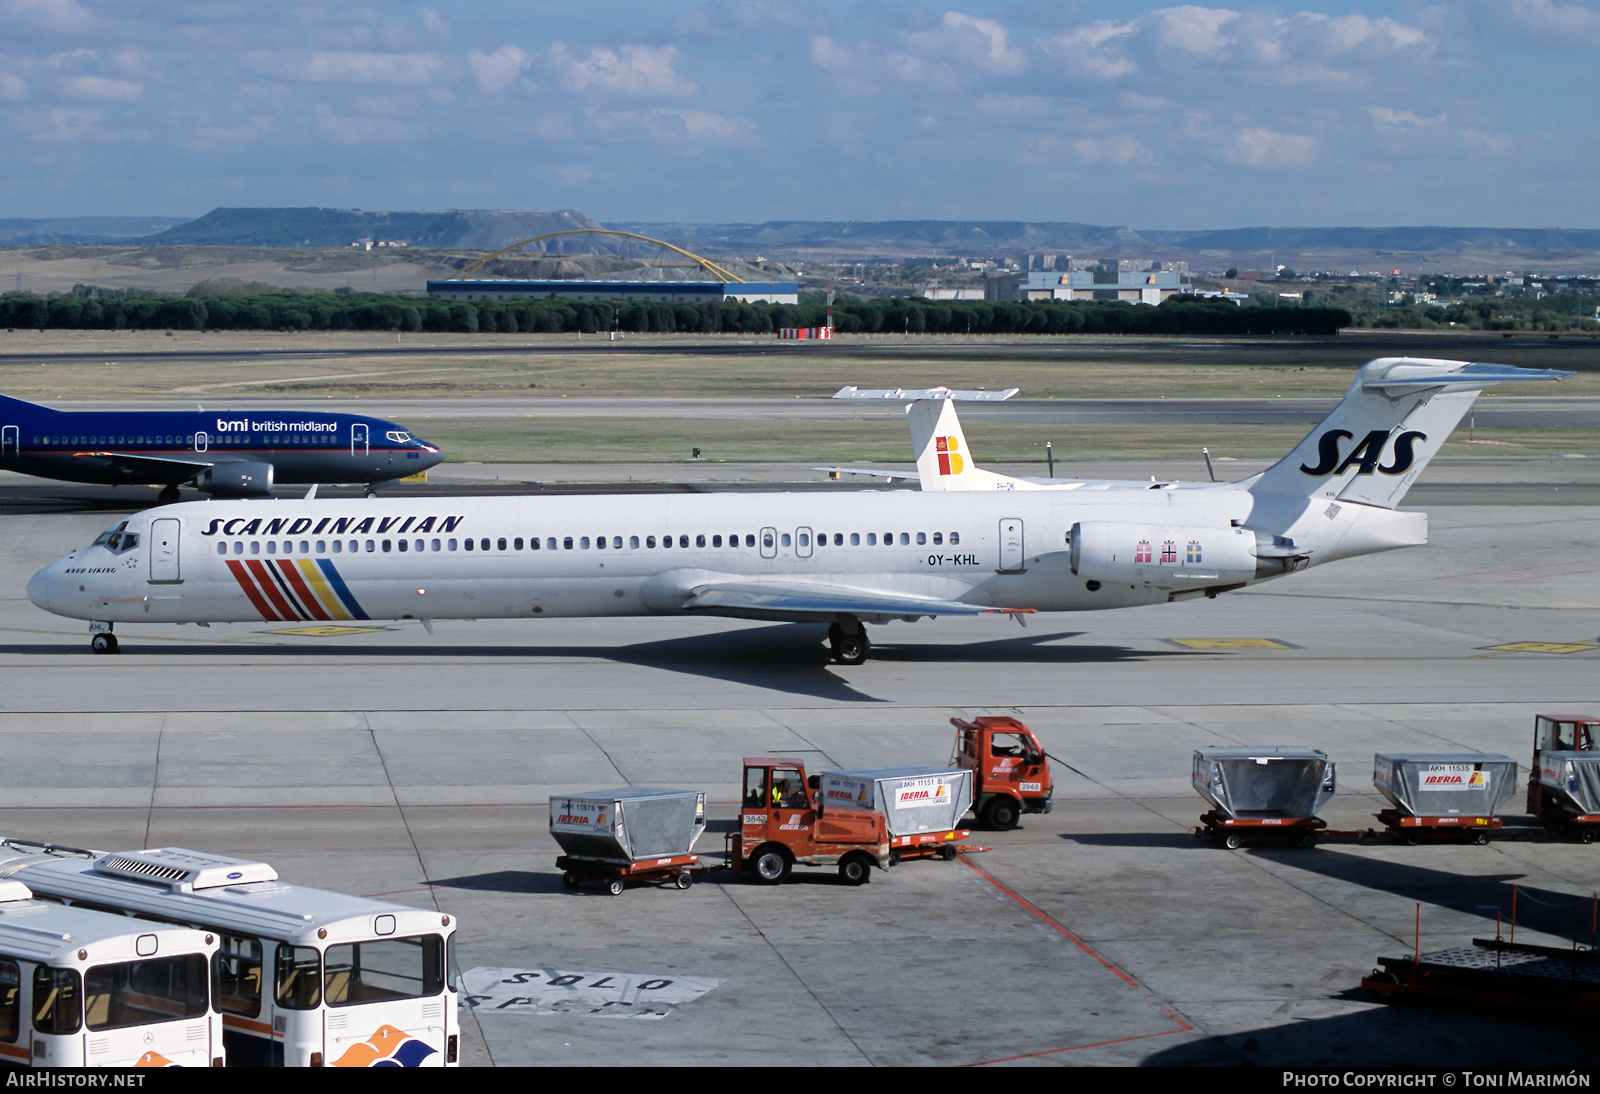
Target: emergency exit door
[(1011, 545)]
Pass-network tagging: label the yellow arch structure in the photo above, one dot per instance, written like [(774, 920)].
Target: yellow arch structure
[(717, 271)]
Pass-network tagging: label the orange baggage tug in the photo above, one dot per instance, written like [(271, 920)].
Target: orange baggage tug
[(783, 821)]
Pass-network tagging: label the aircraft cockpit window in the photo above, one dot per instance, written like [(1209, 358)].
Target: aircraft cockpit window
[(398, 436), (116, 540)]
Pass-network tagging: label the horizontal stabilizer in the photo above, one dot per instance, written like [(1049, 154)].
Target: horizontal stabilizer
[(912, 395), (872, 472), (1394, 418), (1414, 373)]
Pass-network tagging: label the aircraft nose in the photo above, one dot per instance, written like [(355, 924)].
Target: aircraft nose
[(40, 587)]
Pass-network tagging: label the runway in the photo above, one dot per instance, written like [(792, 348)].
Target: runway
[(382, 760)]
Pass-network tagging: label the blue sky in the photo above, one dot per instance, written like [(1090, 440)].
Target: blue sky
[(1143, 114)]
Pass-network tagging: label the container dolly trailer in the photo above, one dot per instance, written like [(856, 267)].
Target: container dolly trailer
[(628, 835)]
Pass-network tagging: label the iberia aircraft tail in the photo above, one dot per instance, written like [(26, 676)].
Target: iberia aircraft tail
[(1395, 417), (944, 462)]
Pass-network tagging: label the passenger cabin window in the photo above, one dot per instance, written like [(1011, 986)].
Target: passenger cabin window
[(10, 1001), (239, 975), (296, 979), (57, 1000)]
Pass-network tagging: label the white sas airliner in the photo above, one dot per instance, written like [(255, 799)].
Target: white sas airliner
[(845, 559)]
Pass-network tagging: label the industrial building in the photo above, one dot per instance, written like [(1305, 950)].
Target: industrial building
[(1139, 287), (671, 292)]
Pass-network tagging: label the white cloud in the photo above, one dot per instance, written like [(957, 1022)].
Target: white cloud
[(433, 23), (349, 67), (740, 21), (54, 15), (699, 127), (626, 72), (1259, 47), (497, 71), (12, 86), (970, 43), (1261, 147), (1548, 24), (344, 129), (1385, 118), (1119, 151), (100, 89)]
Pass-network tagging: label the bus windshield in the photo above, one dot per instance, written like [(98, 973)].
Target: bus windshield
[(137, 993), (383, 969)]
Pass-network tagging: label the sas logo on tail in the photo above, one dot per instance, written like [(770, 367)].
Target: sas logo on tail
[(1365, 457), (950, 462), (388, 1047)]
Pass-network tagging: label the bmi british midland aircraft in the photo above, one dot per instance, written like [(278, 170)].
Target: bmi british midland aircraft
[(846, 559), (230, 453)]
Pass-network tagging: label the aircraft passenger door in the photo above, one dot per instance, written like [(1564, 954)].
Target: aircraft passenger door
[(10, 442), (358, 439), (802, 543), (164, 532), (1011, 545), (769, 543)]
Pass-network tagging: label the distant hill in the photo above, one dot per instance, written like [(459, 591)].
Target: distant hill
[(1426, 248), (1382, 239), (886, 238), (475, 229), (41, 232)]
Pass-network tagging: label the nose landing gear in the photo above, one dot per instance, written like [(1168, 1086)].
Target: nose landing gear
[(104, 642)]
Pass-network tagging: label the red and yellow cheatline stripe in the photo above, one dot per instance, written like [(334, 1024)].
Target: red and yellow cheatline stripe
[(294, 589)]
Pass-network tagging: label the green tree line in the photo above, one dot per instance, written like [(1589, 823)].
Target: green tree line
[(291, 310)]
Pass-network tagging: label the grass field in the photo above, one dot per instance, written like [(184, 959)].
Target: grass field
[(713, 365)]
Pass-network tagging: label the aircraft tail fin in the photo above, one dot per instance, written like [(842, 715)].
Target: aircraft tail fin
[(943, 460), (14, 406), (1395, 417)]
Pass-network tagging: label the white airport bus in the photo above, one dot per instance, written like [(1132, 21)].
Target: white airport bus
[(304, 977), (81, 988)]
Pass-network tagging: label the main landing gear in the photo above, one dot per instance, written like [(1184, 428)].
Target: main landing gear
[(848, 641), (168, 495)]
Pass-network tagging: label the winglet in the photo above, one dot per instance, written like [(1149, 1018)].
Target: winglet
[(312, 492)]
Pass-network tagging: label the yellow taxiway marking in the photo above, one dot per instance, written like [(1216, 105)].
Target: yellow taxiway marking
[(1546, 647), (324, 631), (1232, 644)]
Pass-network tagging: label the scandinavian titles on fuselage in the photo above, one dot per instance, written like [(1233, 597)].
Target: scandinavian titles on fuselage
[(336, 526)]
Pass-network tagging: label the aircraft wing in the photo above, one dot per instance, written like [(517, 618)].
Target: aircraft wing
[(801, 601), (149, 468)]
